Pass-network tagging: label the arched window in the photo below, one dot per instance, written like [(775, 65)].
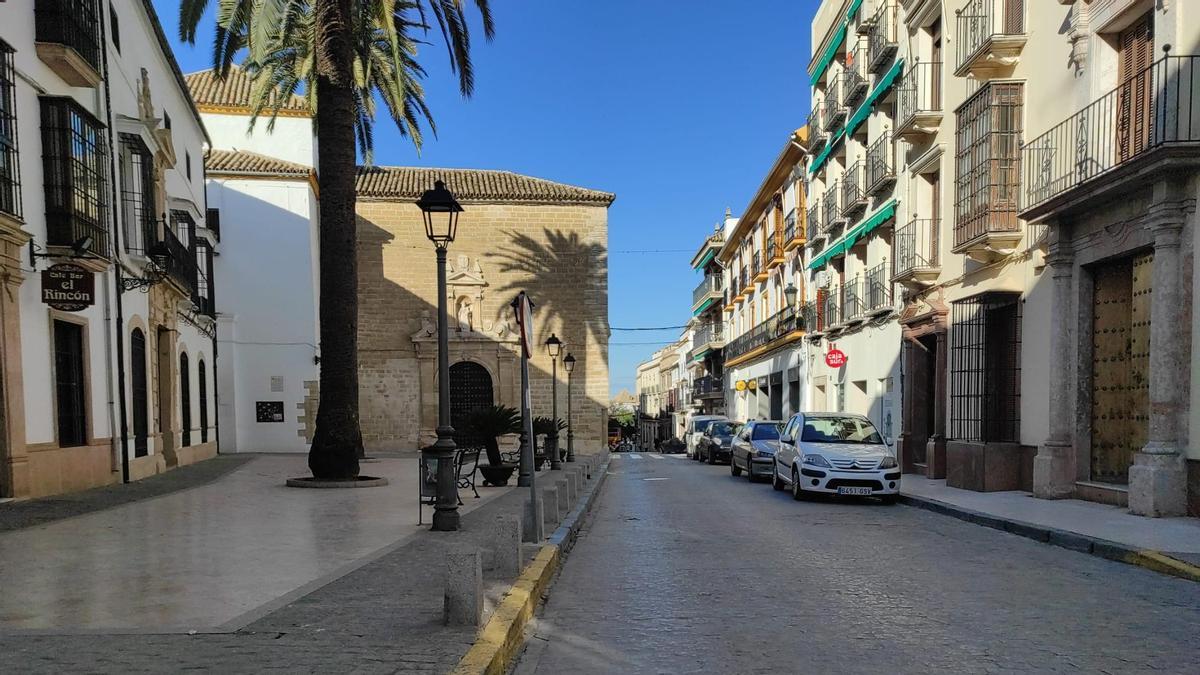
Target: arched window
[(185, 401), (139, 388), (203, 383)]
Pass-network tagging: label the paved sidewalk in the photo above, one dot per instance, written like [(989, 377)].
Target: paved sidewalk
[(1176, 537)]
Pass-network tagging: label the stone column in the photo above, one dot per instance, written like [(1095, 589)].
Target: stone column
[(907, 394), (935, 449), (1054, 465), (1158, 477)]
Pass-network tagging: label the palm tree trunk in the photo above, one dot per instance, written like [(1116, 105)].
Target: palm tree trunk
[(337, 443)]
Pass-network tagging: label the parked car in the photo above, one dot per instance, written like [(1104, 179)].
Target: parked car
[(714, 445), (753, 449), (835, 453), (696, 426)]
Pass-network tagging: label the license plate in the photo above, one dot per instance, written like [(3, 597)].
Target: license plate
[(864, 491)]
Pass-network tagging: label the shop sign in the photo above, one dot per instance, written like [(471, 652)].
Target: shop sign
[(740, 385), (835, 358), (752, 384), (68, 288)]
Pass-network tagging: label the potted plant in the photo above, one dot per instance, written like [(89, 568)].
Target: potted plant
[(489, 424), (543, 426)]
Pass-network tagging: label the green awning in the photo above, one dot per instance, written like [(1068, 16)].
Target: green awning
[(854, 8), (829, 148), (701, 355), (877, 93), (859, 231), (830, 52), (707, 303), (707, 257)]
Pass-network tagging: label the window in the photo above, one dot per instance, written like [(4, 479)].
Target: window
[(204, 275), (988, 161), (187, 163), (985, 369), (185, 401), (166, 120), (75, 175), (141, 392), (72, 23), (10, 173), (114, 27), (137, 194), (69, 384), (203, 382), (212, 220)]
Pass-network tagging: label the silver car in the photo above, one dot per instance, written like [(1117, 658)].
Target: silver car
[(754, 447), (835, 453)]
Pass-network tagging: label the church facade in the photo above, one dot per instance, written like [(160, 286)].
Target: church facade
[(516, 233)]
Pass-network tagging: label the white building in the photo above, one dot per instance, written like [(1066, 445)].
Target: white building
[(108, 360), (262, 193)]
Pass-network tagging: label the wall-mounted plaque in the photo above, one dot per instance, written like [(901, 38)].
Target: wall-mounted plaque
[(68, 288), (268, 411)]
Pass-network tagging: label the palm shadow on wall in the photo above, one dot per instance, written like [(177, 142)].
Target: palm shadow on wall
[(541, 265)]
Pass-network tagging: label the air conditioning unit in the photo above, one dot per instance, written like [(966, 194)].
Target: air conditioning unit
[(822, 279)]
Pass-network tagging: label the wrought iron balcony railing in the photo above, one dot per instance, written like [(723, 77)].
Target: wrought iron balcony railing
[(830, 311), (983, 23), (832, 204), (774, 250), (854, 193), (855, 76), (1159, 106), (879, 289), (779, 325), (710, 287), (790, 230), (70, 23), (919, 99), (883, 38), (988, 176), (881, 164), (853, 294), (816, 121), (756, 264), (811, 318), (707, 386), (814, 223), (180, 262), (915, 249), (834, 106)]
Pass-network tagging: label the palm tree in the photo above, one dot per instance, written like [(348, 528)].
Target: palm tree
[(323, 43)]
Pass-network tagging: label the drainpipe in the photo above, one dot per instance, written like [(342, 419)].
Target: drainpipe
[(117, 282)]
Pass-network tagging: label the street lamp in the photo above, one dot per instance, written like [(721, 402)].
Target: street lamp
[(440, 211), (553, 348), (789, 294), (569, 365)]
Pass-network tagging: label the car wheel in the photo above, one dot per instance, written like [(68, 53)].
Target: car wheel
[(797, 491), (734, 469), (710, 456), (776, 481), (889, 500)]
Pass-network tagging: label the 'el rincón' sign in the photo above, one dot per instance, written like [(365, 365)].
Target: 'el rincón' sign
[(68, 288)]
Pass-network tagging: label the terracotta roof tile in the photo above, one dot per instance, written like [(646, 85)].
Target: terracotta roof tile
[(231, 92), (472, 185), (243, 162)]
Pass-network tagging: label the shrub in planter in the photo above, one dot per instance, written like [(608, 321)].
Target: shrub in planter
[(489, 424)]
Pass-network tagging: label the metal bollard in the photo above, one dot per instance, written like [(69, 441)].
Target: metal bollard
[(463, 599)]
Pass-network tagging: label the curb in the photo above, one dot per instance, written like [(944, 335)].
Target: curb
[(502, 638), (1101, 548)]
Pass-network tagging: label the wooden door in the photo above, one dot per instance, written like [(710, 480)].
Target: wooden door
[(935, 74), (140, 389), (470, 390), (1135, 119), (1120, 365)]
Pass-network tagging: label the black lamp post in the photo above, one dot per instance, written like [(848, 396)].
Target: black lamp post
[(553, 348), (569, 365), (789, 294), (440, 210)]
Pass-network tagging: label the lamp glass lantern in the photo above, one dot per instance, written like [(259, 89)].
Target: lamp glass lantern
[(440, 210), (789, 294), (553, 346), (569, 363)]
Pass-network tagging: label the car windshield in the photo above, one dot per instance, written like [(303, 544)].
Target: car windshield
[(765, 432), (839, 430), (701, 426), (721, 429)]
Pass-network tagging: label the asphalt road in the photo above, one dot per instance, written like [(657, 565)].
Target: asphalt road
[(682, 568)]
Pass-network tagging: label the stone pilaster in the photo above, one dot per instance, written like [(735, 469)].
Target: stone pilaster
[(1054, 465), (935, 449), (14, 466), (1158, 477)]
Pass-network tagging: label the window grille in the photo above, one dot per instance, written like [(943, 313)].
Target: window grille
[(75, 175), (185, 401), (72, 23), (10, 171), (988, 161), (137, 194), (985, 369)]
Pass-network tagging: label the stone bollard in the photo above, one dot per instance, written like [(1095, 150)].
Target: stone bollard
[(533, 528), (578, 476), (564, 497), (503, 545), (550, 506), (463, 599), (571, 491)]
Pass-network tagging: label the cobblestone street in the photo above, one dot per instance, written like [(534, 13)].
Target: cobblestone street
[(682, 568)]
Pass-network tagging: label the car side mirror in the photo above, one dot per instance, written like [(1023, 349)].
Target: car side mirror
[(787, 439)]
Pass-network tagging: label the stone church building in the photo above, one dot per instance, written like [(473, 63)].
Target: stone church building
[(515, 233)]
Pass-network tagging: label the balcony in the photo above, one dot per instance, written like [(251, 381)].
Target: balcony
[(919, 101), (67, 34), (812, 318), (830, 309), (778, 326), (759, 270), (747, 286), (883, 37), (774, 252), (855, 77), (793, 234), (1154, 113), (816, 134), (180, 262), (707, 292), (991, 34), (988, 176), (74, 175), (708, 387), (834, 107), (881, 165), (915, 250), (815, 231), (708, 336), (832, 205), (878, 298), (854, 193), (866, 17), (854, 310)]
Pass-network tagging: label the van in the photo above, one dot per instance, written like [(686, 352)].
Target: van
[(695, 429)]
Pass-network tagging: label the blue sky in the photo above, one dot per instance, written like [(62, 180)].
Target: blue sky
[(677, 107)]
